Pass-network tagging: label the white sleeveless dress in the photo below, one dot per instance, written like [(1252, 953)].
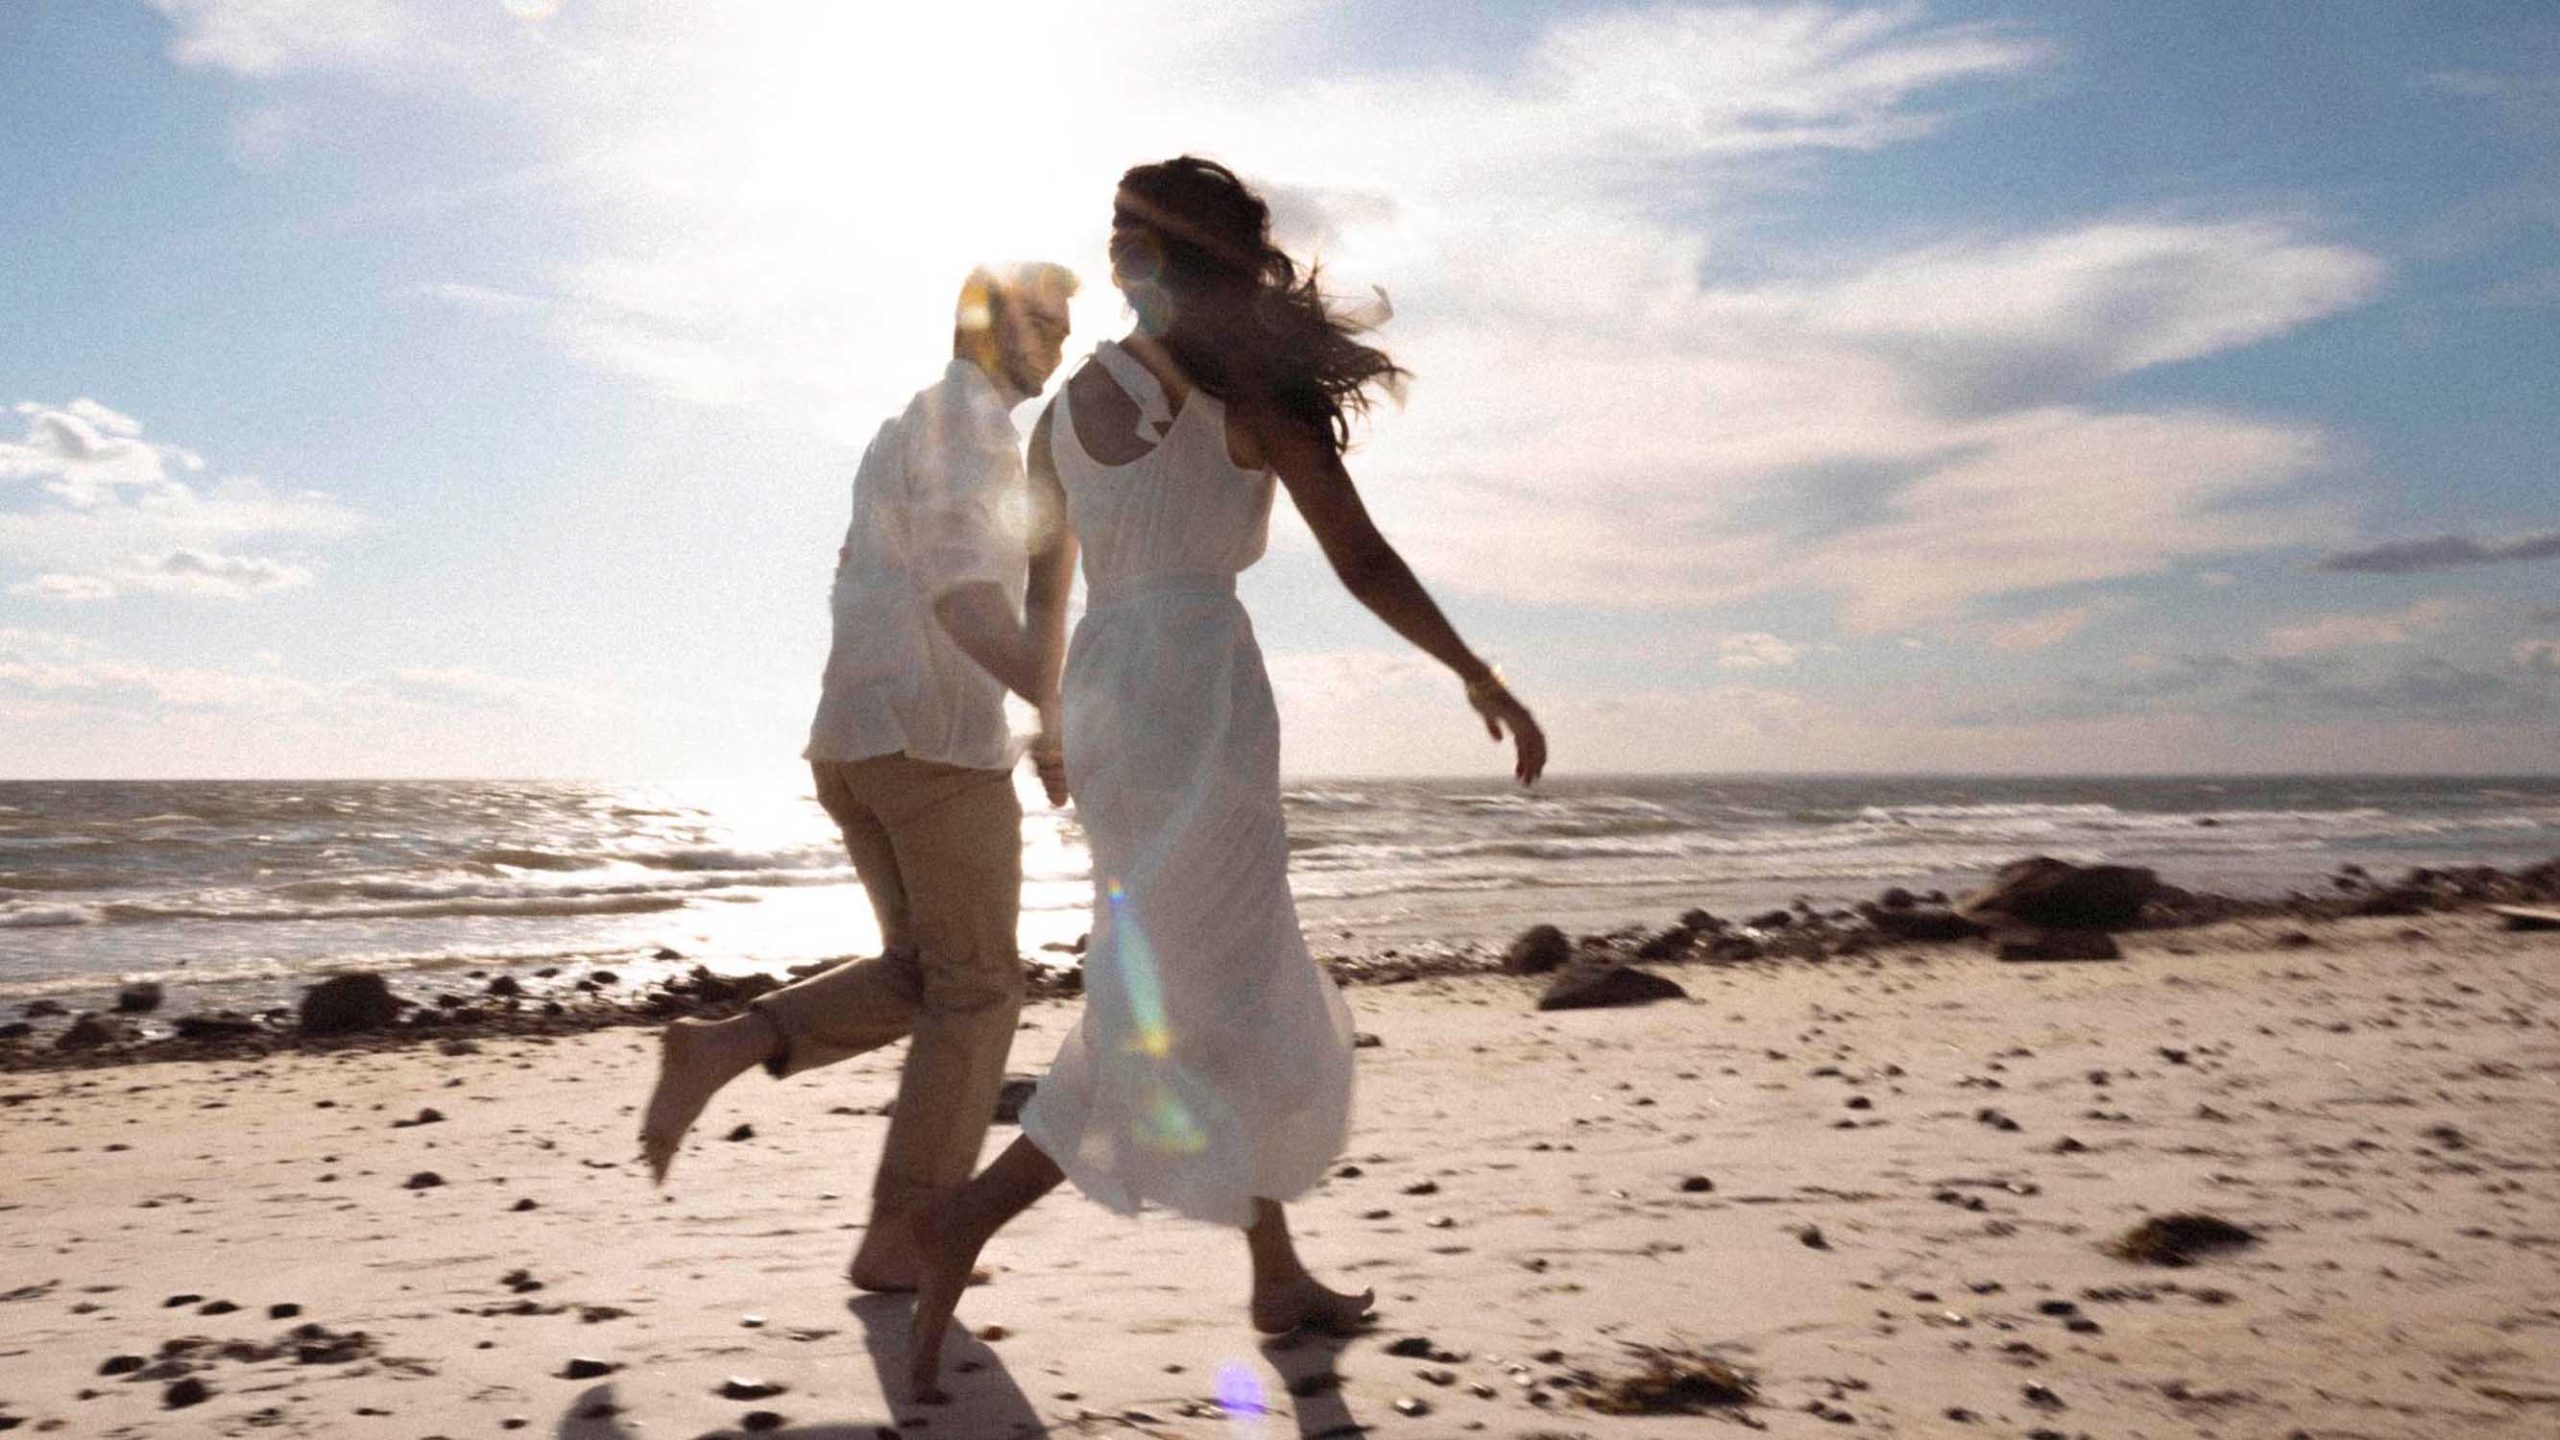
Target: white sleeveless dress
[(1212, 1064)]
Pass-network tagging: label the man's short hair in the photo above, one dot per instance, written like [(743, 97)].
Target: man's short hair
[(990, 289)]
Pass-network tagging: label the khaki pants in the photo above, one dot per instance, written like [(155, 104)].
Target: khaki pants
[(939, 848)]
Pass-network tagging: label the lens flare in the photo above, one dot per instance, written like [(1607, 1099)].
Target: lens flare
[(1240, 1396), (1163, 1122)]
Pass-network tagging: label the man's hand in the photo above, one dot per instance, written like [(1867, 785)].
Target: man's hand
[(1050, 763)]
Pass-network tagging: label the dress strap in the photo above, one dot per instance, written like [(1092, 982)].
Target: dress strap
[(1140, 384)]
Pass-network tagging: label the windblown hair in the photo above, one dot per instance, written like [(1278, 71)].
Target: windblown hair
[(1243, 321), (990, 290)]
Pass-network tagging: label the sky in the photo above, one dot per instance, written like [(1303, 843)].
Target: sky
[(474, 387)]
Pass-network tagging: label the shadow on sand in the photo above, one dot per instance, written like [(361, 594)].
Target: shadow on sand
[(985, 1401)]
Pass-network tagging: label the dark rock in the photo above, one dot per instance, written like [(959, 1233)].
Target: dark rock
[(742, 1131), (740, 1387), (42, 1009), (122, 1364), (1016, 1093), (506, 986), (2017, 945), (1588, 985), (428, 1116), (604, 977), (140, 999), (1698, 922), (756, 1422), (283, 1310), (2058, 895), (185, 1392), (583, 1367), (1909, 921), (1896, 898), (1812, 1238), (16, 1030), (1696, 1185), (423, 1180), (1675, 941), (1363, 1040), (666, 952), (1537, 950), (220, 1025), (348, 1004), (92, 1029), (1772, 920), (2397, 900), (2178, 1239)]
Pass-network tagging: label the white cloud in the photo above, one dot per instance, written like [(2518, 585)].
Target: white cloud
[(2038, 632), (111, 513), (1756, 650), (2356, 631), (1599, 419), (66, 587)]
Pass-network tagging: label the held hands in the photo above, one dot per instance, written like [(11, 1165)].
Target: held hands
[(1049, 756), (1501, 711)]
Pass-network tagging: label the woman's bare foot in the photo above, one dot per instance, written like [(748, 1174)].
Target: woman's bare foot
[(1303, 1303), (946, 1256), (695, 1059)]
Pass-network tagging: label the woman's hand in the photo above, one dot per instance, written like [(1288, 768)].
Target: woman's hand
[(1502, 711), (1049, 753)]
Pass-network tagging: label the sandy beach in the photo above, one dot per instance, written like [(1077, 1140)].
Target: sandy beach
[(1880, 1186)]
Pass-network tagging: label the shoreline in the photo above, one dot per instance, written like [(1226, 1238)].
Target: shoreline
[(559, 1000)]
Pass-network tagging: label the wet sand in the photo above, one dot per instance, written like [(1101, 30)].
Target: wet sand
[(1879, 1184)]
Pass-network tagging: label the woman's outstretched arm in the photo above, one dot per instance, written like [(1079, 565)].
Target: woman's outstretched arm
[(1377, 577)]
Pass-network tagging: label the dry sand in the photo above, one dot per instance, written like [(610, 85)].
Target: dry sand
[(2382, 1107)]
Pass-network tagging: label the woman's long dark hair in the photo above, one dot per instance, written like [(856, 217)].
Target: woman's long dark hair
[(1243, 321)]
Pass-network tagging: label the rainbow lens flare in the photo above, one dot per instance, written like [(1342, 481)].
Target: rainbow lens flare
[(1163, 1122)]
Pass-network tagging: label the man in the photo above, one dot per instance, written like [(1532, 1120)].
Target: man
[(949, 591)]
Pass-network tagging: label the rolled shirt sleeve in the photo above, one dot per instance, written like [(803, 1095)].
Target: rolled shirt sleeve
[(966, 496)]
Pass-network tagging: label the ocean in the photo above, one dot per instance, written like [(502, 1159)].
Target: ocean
[(236, 893)]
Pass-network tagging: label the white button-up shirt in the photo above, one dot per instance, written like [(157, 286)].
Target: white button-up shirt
[(939, 501)]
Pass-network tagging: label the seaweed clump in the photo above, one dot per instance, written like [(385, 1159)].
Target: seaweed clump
[(1669, 1380), (2177, 1239)]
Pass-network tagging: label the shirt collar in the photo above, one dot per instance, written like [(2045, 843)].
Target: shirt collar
[(966, 372)]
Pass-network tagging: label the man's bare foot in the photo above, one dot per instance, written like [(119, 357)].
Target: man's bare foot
[(1305, 1304), (695, 1059), (946, 1261)]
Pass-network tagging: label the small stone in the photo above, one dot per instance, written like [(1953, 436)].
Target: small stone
[(743, 1132), (523, 1205), (122, 1364), (1812, 1238), (186, 1392), (139, 999), (584, 1367), (423, 1180), (1412, 1406), (1411, 1347), (1696, 1185), (740, 1387), (283, 1310), (759, 1421), (216, 1307), (1423, 1187)]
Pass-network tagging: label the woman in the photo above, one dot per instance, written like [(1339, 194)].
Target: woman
[(1211, 1070)]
